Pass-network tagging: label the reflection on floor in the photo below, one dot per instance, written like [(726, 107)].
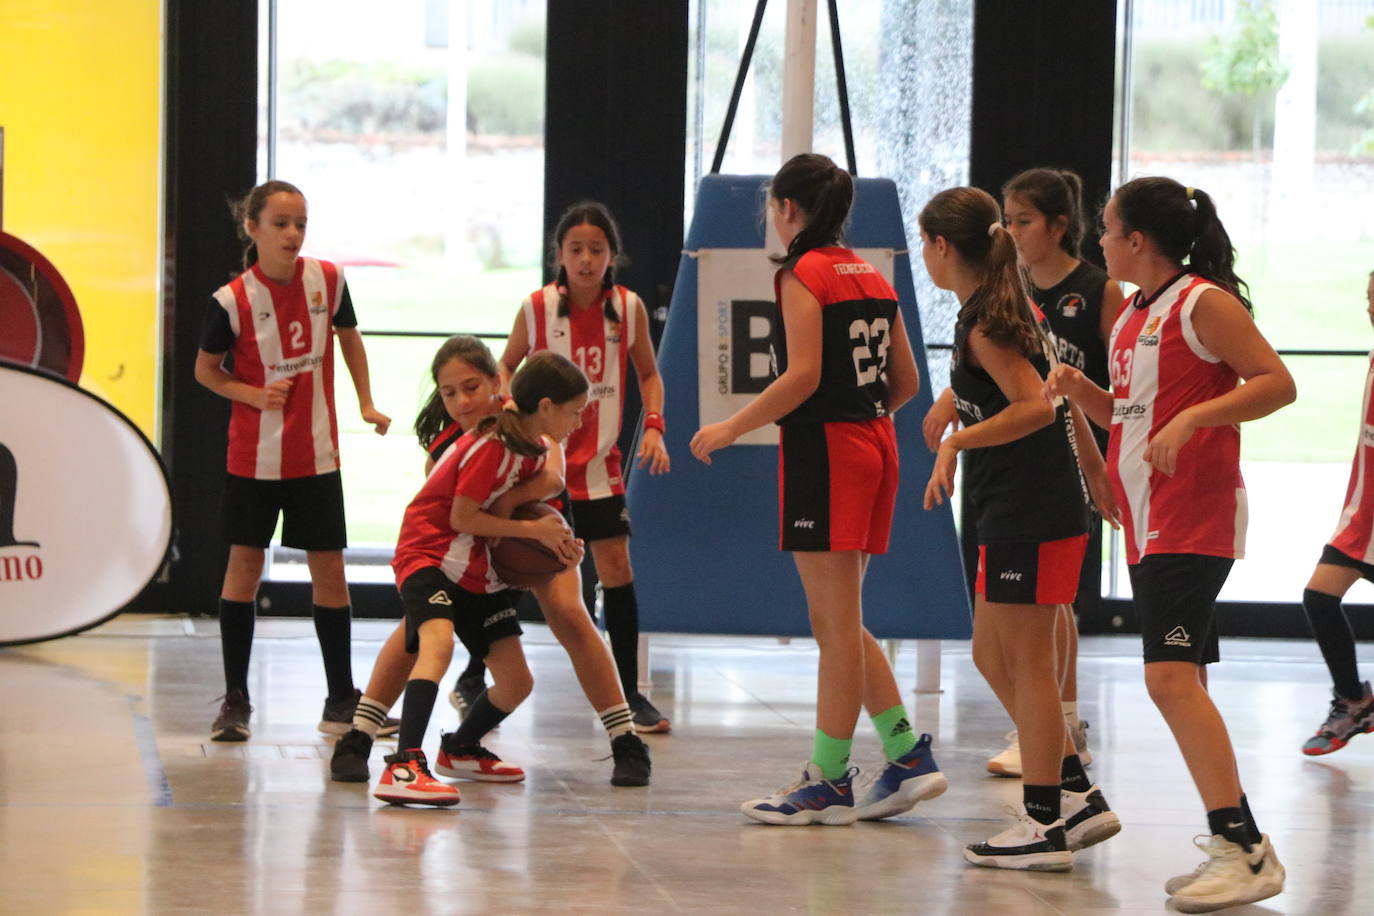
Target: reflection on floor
[(114, 800)]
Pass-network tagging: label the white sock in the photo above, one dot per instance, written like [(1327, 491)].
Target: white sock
[(369, 716), (618, 720)]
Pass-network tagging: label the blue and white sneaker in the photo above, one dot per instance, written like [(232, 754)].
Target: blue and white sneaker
[(810, 800), (912, 778)]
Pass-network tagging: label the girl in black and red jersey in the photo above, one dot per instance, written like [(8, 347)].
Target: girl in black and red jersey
[(1188, 365), (278, 320), (843, 364), (1028, 503), (1345, 560), (447, 583), (467, 391), (1044, 213), (604, 328)]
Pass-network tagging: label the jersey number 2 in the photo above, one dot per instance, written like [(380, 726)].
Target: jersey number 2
[(870, 339), (297, 336)]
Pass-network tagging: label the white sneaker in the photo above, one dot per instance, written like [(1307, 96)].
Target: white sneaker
[(1179, 882), (1007, 763), (1230, 876), (1087, 819), (1027, 845)]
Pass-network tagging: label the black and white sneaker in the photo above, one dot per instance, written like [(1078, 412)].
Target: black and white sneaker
[(631, 761), (232, 722), (465, 692), (349, 762), (1027, 845), (1087, 818)]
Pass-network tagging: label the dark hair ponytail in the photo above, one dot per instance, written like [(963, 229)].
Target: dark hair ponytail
[(970, 220), (544, 375), (588, 213), (1055, 193), (1183, 224), (249, 207), (824, 192), (433, 417)]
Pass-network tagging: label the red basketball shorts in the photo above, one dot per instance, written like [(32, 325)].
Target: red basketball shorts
[(837, 485), (1017, 573)]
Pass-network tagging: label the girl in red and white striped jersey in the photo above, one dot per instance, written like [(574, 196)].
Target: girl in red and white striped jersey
[(604, 328), (1348, 558), (278, 320), (449, 586), (1187, 366)]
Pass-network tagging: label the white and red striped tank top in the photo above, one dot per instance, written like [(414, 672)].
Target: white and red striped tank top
[(1353, 533), (285, 331), (601, 349), (481, 468), (1159, 367)]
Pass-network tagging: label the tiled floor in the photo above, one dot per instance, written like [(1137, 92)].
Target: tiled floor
[(114, 801)]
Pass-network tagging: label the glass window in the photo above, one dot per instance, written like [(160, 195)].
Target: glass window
[(1269, 107), (417, 137)]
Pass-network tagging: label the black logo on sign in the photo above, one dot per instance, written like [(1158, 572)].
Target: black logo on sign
[(9, 488), (744, 345), (12, 567)]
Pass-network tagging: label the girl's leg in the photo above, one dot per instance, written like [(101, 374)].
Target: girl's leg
[(436, 651), (1322, 602), (333, 621), (831, 581), (511, 684), (571, 625), (1178, 693), (612, 558), (1019, 662)]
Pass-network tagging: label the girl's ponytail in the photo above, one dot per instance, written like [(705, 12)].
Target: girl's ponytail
[(1184, 226), (824, 192), (545, 374)]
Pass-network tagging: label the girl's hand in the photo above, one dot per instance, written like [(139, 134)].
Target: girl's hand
[(1100, 489), (552, 531), (939, 419), (710, 438), (273, 396), (942, 475), (1162, 451), (380, 421), (653, 452), (1062, 381)]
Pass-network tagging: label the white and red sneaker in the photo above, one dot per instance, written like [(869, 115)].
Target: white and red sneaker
[(477, 763), (407, 781)]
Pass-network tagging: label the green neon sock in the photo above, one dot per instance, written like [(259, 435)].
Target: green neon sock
[(894, 728), (831, 754)]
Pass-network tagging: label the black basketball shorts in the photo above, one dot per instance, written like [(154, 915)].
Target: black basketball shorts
[(478, 620), (312, 510), (1176, 598)]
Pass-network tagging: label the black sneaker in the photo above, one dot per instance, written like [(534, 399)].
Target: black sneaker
[(465, 692), (647, 718), (232, 722), (337, 718), (349, 763), (631, 761)]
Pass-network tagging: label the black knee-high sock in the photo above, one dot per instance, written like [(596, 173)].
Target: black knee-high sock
[(1072, 776), (622, 624), (1231, 824), (1335, 639), (416, 708), (1042, 802), (236, 641), (475, 671), (481, 718), (333, 627)]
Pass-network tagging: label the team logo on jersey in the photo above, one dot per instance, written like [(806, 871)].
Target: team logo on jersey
[(13, 568), (1069, 305), (1179, 637), (317, 298), (1152, 325)]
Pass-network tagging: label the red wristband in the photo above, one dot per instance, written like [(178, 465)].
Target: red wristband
[(653, 420)]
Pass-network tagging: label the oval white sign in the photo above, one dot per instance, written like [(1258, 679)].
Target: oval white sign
[(85, 509)]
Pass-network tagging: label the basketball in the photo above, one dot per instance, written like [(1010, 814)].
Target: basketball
[(524, 562)]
